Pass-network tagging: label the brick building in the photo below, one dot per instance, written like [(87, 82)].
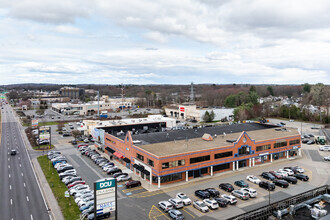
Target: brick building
[(180, 155)]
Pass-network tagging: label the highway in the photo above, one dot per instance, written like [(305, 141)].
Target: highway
[(19, 191)]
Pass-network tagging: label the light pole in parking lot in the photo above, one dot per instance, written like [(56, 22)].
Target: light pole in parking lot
[(268, 194)]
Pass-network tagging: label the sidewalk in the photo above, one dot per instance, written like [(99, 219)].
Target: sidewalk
[(145, 183), (46, 191)]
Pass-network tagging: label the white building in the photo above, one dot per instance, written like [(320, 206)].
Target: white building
[(193, 112)]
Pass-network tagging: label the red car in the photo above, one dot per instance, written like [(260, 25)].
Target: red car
[(76, 183), (277, 176), (132, 183), (81, 145)]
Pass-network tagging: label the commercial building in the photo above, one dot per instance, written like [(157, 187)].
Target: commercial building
[(197, 113), (72, 92), (80, 109), (180, 155)]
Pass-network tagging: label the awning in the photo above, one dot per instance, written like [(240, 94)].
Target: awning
[(140, 168), (110, 150), (135, 166), (127, 160), (118, 155), (146, 172)]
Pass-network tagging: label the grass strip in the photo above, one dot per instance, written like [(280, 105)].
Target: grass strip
[(68, 207)]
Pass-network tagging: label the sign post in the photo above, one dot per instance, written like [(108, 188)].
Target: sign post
[(105, 196)]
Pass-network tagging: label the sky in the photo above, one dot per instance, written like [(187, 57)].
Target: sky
[(165, 41)]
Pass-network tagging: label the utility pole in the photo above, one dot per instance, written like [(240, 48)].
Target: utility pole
[(98, 103)]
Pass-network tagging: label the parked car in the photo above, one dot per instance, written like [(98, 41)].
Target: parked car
[(276, 174), (211, 203), (83, 192), (281, 183), (203, 194), (231, 199), (213, 192), (226, 186), (221, 201), (327, 158), (132, 183), (123, 178), (72, 179), (282, 173), (253, 179), (185, 199), (175, 214), (290, 179), (200, 205), (311, 142), (240, 194), (252, 192), (177, 203), (267, 185), (99, 216), (325, 148), (296, 169), (267, 176), (76, 183), (301, 176), (165, 205), (73, 142), (88, 204), (82, 197), (113, 171), (77, 188), (289, 171), (241, 183)]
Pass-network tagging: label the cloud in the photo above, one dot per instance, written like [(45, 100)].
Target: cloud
[(156, 36), (65, 29)]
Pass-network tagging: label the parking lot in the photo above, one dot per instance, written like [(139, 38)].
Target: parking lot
[(142, 202)]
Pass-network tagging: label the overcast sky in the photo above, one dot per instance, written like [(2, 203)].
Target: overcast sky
[(165, 41)]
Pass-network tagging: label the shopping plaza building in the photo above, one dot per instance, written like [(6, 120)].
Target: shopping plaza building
[(181, 155)]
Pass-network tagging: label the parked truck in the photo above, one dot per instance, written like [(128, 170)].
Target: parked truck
[(320, 140)]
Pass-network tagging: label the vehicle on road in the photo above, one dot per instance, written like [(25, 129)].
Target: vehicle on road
[(281, 183), (132, 183), (177, 203), (253, 179), (267, 185), (175, 214), (231, 199), (241, 183), (301, 176), (211, 203), (268, 176), (200, 205), (203, 194), (252, 192), (240, 194), (165, 205), (184, 198), (226, 186), (13, 152)]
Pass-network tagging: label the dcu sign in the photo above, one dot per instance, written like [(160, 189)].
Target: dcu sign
[(105, 196)]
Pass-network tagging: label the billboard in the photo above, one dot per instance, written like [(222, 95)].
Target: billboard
[(34, 123), (44, 133), (105, 196)]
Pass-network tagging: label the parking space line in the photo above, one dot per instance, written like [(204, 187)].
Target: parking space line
[(132, 189), (157, 214), (185, 209)]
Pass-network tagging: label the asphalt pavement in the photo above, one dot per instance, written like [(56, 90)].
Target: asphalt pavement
[(19, 190)]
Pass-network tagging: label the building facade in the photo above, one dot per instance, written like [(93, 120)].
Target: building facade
[(72, 92), (174, 161)]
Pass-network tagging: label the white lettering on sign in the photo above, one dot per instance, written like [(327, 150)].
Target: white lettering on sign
[(105, 184), (106, 205)]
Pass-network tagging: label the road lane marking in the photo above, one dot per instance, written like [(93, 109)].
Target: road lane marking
[(8, 166), (185, 209), (22, 174), (31, 217), (24, 184), (19, 158), (27, 198), (9, 175), (11, 202), (20, 165), (10, 187), (8, 158)]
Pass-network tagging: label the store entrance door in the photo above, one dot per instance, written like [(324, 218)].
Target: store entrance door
[(197, 173), (242, 163)]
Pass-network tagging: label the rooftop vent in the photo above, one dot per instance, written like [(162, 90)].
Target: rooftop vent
[(207, 137)]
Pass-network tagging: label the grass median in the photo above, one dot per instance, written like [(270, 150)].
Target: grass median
[(68, 207)]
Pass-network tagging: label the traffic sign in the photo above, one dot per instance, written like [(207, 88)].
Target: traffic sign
[(66, 194)]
